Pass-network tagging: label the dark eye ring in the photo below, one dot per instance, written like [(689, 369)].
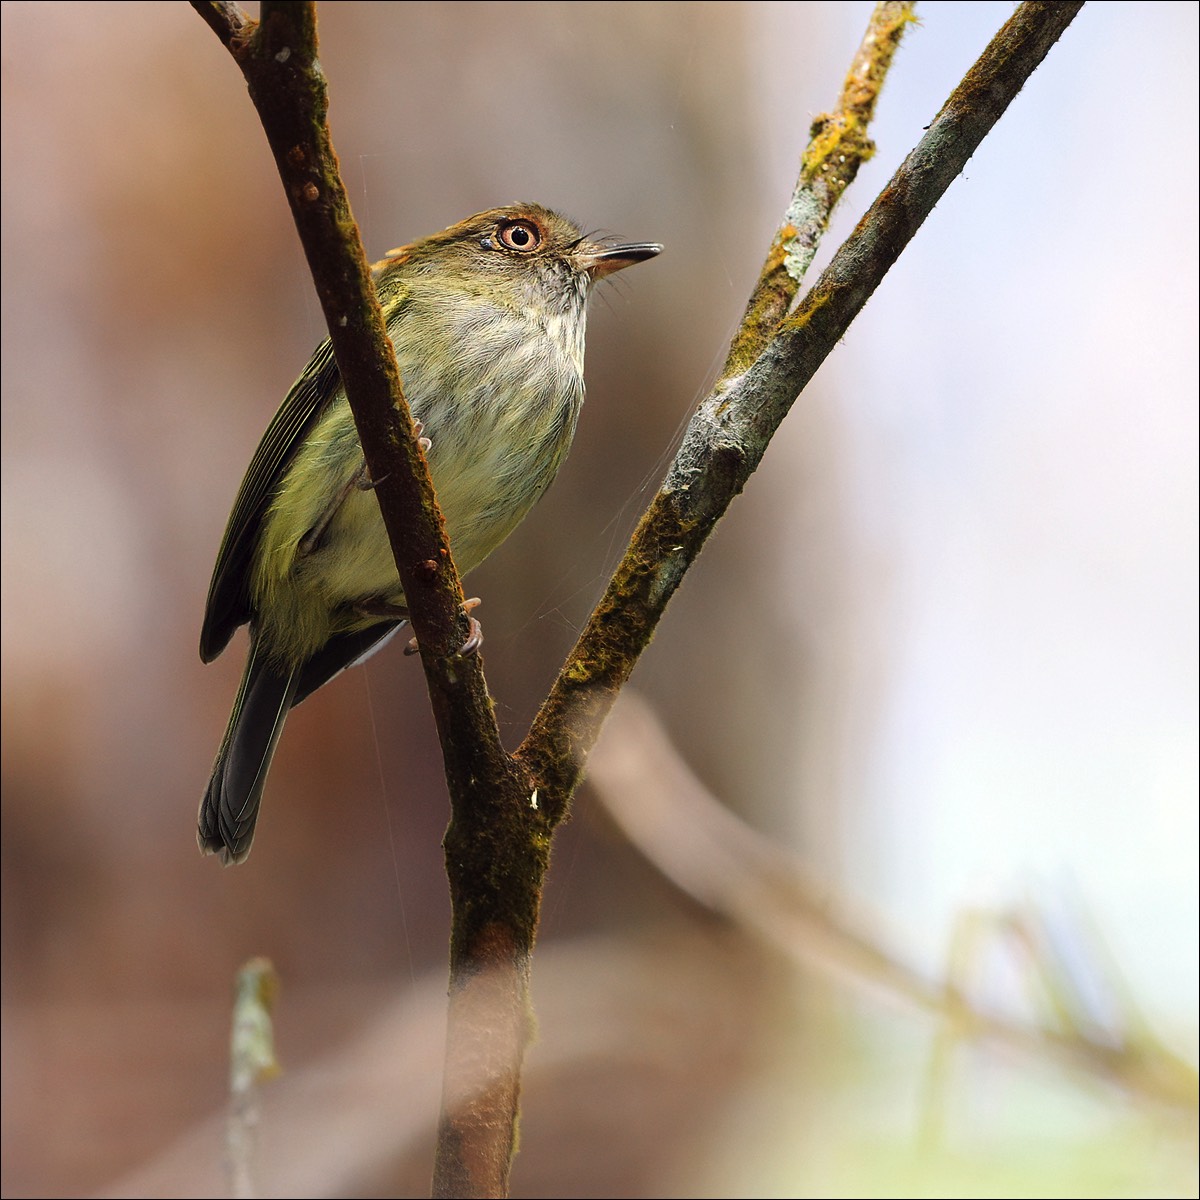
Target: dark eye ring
[(520, 235)]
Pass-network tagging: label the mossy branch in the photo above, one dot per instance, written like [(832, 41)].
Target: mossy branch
[(838, 146), (729, 433)]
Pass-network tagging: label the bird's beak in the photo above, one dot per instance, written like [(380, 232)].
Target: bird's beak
[(599, 260)]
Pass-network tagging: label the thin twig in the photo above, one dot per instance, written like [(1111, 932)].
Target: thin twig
[(251, 1061), (838, 145)]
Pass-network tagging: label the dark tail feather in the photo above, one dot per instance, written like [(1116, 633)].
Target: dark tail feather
[(230, 805)]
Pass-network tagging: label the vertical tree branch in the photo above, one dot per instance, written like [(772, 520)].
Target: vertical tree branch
[(497, 845), (278, 58)]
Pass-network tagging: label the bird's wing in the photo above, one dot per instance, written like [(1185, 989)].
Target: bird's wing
[(229, 592)]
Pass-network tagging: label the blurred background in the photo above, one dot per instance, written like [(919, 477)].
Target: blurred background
[(943, 650)]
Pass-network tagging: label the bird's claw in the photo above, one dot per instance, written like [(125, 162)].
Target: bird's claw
[(474, 639)]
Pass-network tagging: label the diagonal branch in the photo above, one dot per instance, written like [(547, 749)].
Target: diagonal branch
[(728, 435), (730, 868)]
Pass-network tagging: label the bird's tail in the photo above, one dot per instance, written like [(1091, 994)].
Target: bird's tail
[(230, 805)]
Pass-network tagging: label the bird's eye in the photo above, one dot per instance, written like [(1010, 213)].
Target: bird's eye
[(522, 236)]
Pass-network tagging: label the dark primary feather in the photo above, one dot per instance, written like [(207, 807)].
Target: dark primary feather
[(229, 592)]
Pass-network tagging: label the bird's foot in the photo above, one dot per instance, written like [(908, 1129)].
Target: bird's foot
[(383, 609), (474, 640)]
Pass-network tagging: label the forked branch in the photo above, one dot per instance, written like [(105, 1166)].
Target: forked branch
[(504, 808)]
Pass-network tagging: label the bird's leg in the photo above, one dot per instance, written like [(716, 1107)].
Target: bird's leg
[(312, 539), (362, 481), (375, 606), (366, 484), (473, 642)]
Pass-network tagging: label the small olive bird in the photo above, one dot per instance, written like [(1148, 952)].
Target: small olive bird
[(487, 319)]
